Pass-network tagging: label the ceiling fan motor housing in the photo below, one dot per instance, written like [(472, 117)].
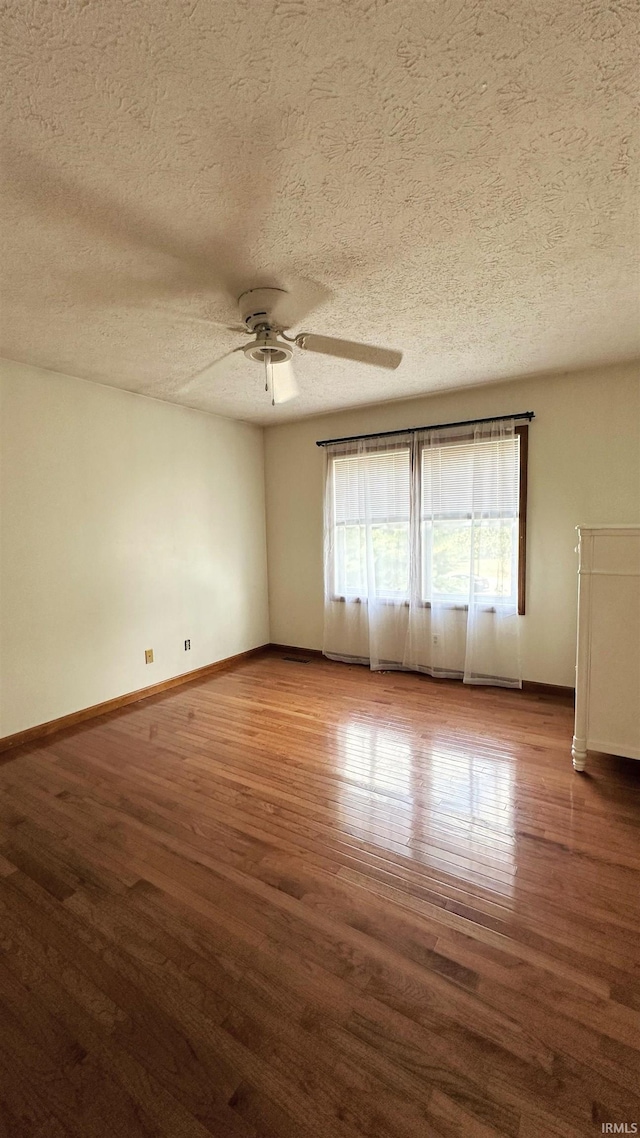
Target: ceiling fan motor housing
[(258, 305)]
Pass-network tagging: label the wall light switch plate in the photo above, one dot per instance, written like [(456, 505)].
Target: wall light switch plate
[(148, 656)]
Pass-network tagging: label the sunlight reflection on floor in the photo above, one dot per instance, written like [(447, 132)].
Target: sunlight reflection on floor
[(449, 805)]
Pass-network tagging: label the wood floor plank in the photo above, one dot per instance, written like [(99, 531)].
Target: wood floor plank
[(319, 902)]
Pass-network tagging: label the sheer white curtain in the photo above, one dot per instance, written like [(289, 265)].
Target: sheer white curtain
[(421, 547), (368, 550)]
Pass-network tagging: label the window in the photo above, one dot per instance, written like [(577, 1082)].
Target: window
[(458, 505), (469, 520), (371, 499)]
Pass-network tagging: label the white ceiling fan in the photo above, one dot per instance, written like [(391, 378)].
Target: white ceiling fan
[(266, 315), (214, 264)]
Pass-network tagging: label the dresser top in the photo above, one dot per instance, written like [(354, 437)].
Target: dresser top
[(610, 531)]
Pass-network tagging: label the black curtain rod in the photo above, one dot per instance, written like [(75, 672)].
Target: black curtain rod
[(434, 427)]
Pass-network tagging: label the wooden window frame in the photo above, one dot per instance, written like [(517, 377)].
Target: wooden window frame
[(523, 434)]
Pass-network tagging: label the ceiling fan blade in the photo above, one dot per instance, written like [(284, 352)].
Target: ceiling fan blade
[(213, 323), (299, 297), (284, 383), (53, 194), (221, 259), (192, 317), (211, 371), (349, 350)]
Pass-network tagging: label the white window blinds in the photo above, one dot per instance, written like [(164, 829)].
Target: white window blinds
[(373, 487), (467, 479)]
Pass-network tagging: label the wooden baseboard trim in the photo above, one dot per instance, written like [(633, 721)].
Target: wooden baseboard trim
[(555, 690), (30, 734), (532, 686), (291, 650), (41, 730)]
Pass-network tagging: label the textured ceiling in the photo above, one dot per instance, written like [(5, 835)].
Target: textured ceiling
[(457, 175)]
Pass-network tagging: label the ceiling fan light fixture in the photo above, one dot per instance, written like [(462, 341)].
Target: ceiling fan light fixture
[(267, 346)]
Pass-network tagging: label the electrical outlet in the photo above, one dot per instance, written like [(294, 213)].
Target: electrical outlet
[(187, 645), (148, 656), (435, 640)]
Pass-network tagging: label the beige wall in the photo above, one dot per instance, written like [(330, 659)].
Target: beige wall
[(584, 467), (126, 524)]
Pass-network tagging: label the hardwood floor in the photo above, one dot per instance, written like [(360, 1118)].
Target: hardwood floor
[(309, 900)]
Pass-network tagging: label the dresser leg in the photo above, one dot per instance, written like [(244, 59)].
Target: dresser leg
[(579, 753)]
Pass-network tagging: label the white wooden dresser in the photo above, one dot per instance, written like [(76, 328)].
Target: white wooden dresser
[(608, 653)]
